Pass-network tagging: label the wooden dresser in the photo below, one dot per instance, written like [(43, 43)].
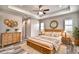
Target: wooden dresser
[(10, 38)]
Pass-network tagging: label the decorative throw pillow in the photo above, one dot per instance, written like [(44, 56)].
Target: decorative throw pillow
[(48, 33), (56, 34)]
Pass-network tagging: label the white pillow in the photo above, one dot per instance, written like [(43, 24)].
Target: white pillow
[(56, 34), (48, 33)]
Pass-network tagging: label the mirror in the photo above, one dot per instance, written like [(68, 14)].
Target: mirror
[(54, 24)]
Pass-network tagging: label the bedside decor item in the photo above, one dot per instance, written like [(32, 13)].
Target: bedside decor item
[(7, 30), (16, 30), (76, 35), (54, 24)]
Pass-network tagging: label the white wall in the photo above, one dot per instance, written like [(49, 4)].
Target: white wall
[(28, 27), (32, 27), (61, 19)]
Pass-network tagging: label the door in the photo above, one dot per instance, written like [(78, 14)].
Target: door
[(24, 34)]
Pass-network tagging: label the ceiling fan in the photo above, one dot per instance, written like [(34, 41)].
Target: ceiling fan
[(40, 10)]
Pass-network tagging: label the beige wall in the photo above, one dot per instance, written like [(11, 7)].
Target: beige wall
[(61, 19)]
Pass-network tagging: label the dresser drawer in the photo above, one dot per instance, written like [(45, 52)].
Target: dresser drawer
[(10, 38)]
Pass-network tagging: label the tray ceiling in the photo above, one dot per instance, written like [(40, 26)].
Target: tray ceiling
[(28, 10)]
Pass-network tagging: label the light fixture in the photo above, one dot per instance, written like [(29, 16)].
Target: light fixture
[(40, 13), (60, 6)]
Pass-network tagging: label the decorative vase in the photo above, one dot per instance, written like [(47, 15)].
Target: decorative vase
[(7, 30), (16, 30)]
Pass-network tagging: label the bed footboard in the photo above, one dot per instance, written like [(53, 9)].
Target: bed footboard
[(40, 48)]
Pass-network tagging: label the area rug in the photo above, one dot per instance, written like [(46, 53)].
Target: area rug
[(13, 50)]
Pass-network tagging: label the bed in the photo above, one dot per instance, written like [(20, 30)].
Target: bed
[(46, 44)]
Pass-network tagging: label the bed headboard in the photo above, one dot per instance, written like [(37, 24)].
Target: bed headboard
[(54, 30)]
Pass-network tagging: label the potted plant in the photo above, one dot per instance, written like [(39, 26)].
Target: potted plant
[(76, 35)]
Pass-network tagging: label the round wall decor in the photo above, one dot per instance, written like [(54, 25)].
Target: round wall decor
[(10, 23), (54, 24)]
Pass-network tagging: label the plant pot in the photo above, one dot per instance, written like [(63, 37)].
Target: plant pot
[(76, 42)]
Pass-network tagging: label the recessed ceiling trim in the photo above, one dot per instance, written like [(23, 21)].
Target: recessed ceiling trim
[(60, 12), (23, 11)]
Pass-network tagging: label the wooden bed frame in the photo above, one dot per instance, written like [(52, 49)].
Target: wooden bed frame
[(55, 30), (42, 48)]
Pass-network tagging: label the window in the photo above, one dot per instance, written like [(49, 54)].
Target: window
[(42, 26), (68, 25)]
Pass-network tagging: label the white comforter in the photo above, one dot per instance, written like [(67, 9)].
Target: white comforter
[(50, 41)]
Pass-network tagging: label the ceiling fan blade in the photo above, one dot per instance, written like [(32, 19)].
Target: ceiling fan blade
[(44, 12), (40, 6), (46, 9)]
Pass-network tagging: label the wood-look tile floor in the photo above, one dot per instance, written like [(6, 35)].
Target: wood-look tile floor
[(29, 49), (62, 49)]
